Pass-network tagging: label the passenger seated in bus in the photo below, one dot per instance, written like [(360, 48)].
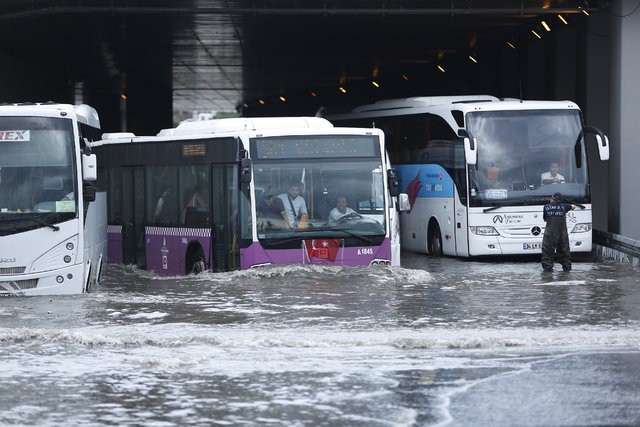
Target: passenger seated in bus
[(552, 176), (295, 213), (269, 213), (166, 207), (341, 211)]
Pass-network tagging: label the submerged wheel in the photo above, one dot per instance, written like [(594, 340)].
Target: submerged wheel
[(197, 262), (435, 242)]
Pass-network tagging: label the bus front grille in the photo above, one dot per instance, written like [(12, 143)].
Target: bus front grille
[(17, 285), (12, 270)]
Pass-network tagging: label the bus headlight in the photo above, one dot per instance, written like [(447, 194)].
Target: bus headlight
[(583, 227), (485, 230)]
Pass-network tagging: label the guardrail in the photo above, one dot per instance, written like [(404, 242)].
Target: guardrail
[(614, 246)]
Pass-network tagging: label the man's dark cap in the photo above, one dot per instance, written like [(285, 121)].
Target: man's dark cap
[(557, 196)]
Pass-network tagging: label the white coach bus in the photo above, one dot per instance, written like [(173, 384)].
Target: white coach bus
[(479, 169), (52, 221)]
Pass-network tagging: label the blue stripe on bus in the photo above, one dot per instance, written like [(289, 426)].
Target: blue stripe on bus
[(424, 181)]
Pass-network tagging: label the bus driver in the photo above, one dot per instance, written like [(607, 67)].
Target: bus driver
[(552, 176)]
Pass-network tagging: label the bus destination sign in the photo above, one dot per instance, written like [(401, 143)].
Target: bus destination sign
[(315, 147)]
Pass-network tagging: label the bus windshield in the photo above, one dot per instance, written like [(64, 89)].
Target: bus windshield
[(36, 172), (309, 198), (525, 156)]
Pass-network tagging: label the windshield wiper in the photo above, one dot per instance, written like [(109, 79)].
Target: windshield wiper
[(492, 208), (45, 223)]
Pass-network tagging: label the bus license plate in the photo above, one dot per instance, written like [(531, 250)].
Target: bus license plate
[(527, 246)]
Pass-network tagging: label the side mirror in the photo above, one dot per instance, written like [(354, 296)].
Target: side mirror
[(89, 167), (403, 202), (470, 147), (245, 170), (601, 140), (470, 151), (603, 146), (392, 181)]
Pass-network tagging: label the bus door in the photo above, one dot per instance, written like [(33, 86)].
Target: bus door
[(133, 216), (224, 217), (461, 225)]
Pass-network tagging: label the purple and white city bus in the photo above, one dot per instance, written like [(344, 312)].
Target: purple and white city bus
[(195, 197)]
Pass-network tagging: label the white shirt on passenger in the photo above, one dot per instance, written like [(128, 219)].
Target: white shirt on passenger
[(299, 205)]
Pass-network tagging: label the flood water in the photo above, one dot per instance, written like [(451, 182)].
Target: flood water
[(434, 342)]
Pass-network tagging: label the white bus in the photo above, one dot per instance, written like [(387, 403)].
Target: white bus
[(52, 222), (473, 168), (236, 168)]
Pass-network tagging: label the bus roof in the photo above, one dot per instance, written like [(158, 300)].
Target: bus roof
[(239, 124), (84, 113), (227, 127), (466, 103)]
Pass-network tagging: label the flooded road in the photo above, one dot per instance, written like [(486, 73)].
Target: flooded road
[(435, 342)]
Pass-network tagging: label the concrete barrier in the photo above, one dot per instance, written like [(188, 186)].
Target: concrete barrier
[(613, 246)]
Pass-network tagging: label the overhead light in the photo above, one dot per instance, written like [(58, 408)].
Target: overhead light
[(546, 27), (123, 96), (313, 93), (375, 83), (511, 45), (584, 11), (261, 101), (473, 59), (405, 77), (342, 89), (282, 98), (441, 68), (560, 17), (536, 34)]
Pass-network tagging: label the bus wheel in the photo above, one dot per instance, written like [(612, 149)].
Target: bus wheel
[(435, 241), (197, 262)]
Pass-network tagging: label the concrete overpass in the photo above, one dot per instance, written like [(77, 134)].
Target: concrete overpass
[(144, 67)]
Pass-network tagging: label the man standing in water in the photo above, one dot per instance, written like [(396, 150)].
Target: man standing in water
[(556, 238)]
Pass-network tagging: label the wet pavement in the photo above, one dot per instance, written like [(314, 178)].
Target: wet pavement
[(434, 342)]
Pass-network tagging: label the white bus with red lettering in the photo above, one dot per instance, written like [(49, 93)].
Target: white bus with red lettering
[(52, 219)]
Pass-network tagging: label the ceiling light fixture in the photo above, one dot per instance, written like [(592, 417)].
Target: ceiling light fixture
[(261, 101), (474, 60), (441, 68), (560, 17), (313, 93), (405, 77), (546, 27), (341, 89), (536, 34), (282, 98), (375, 83), (511, 45)]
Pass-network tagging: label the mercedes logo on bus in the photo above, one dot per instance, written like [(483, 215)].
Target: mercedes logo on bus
[(497, 219), (536, 231)]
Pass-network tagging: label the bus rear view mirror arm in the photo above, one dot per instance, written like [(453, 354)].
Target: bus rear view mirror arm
[(245, 170), (601, 139)]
